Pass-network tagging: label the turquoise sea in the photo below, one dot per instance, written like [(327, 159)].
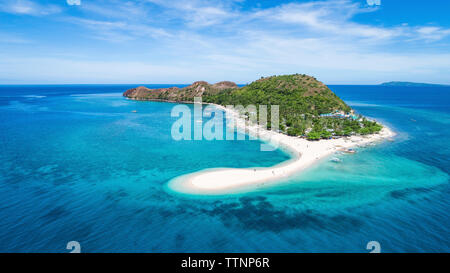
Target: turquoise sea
[(76, 164)]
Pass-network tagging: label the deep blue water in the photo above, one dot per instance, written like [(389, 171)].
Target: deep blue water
[(77, 164)]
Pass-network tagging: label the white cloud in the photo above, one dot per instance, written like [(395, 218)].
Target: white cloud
[(6, 38), (431, 33), (116, 9), (27, 7), (183, 41), (328, 18), (198, 13), (335, 17), (119, 31)]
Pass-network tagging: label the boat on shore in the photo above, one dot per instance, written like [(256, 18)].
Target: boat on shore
[(348, 151)]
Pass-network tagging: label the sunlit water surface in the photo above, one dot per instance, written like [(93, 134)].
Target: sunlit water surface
[(77, 164)]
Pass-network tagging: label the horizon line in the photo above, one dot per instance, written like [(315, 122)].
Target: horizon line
[(187, 84)]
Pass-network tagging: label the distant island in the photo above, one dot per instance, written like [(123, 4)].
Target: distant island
[(411, 84), (308, 108)]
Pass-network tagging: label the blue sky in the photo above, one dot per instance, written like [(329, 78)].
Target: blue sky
[(181, 41)]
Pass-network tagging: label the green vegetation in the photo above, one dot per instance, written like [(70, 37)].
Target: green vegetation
[(302, 100), (295, 94), (325, 128)]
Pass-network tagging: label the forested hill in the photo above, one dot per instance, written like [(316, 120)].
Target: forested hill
[(295, 94), (307, 106)]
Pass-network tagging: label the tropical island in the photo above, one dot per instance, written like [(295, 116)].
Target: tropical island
[(308, 108), (412, 84), (315, 123)]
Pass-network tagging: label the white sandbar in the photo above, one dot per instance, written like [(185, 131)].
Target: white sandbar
[(304, 152)]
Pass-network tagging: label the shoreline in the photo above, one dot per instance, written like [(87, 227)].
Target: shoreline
[(304, 153)]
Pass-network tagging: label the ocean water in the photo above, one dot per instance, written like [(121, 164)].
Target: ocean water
[(77, 164)]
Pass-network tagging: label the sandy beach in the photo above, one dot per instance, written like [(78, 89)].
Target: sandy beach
[(304, 154)]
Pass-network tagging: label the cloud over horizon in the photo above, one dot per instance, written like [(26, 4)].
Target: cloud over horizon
[(156, 41)]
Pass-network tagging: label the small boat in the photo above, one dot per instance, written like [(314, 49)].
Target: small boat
[(336, 160), (134, 111)]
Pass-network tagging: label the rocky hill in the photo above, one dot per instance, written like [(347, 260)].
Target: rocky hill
[(175, 94)]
